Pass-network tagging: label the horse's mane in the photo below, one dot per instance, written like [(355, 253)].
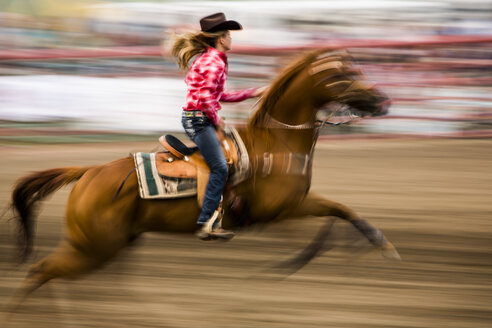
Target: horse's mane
[(281, 83)]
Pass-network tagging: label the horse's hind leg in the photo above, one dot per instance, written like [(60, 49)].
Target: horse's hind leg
[(65, 261), (316, 205)]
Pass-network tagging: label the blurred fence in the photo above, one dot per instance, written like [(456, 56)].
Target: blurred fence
[(440, 86)]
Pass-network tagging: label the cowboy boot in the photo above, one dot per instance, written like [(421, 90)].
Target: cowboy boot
[(212, 229)]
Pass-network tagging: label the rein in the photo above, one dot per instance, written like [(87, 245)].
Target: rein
[(273, 123)]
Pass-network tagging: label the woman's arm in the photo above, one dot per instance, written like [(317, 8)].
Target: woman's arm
[(234, 96)]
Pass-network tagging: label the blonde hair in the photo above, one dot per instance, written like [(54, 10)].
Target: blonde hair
[(186, 46)]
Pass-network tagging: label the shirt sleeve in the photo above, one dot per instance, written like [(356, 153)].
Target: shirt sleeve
[(235, 96), (208, 101)]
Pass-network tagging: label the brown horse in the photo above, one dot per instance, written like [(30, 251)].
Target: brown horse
[(280, 140)]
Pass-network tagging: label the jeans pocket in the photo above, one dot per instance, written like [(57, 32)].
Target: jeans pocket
[(200, 123), (189, 127), (195, 125)]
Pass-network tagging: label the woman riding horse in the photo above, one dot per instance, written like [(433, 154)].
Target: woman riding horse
[(205, 81), (280, 140)]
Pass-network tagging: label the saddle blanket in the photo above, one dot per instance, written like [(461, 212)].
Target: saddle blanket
[(152, 185)]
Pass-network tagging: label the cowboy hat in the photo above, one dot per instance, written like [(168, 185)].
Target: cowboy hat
[(218, 22)]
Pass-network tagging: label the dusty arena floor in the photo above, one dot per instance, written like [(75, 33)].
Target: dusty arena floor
[(432, 198)]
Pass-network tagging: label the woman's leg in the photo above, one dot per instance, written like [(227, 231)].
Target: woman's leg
[(209, 145)]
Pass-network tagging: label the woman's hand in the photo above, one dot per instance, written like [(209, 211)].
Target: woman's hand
[(259, 92)]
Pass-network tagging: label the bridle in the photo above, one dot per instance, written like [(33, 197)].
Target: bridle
[(273, 123)]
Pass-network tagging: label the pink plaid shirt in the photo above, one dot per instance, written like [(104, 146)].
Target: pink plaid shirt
[(205, 80)]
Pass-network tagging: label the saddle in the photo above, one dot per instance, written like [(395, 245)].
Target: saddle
[(184, 161)]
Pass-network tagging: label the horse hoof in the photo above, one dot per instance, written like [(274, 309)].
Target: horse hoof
[(388, 251)]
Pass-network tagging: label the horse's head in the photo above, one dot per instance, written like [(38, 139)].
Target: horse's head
[(334, 79), (313, 81)]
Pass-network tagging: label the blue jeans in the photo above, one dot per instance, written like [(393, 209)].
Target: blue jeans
[(202, 132)]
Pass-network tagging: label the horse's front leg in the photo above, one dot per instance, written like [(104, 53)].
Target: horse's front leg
[(316, 205)]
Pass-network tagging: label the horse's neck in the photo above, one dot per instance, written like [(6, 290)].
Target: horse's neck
[(288, 126), (295, 107)]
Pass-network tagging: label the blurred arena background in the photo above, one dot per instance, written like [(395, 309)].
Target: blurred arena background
[(98, 68), (87, 81)]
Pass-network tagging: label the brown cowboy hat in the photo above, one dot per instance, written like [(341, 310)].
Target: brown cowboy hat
[(218, 22)]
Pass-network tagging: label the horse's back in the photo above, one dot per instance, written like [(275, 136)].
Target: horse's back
[(100, 180), (93, 212)]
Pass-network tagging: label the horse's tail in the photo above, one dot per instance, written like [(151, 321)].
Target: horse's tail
[(32, 188)]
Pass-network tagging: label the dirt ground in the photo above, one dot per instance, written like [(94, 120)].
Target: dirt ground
[(432, 199)]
